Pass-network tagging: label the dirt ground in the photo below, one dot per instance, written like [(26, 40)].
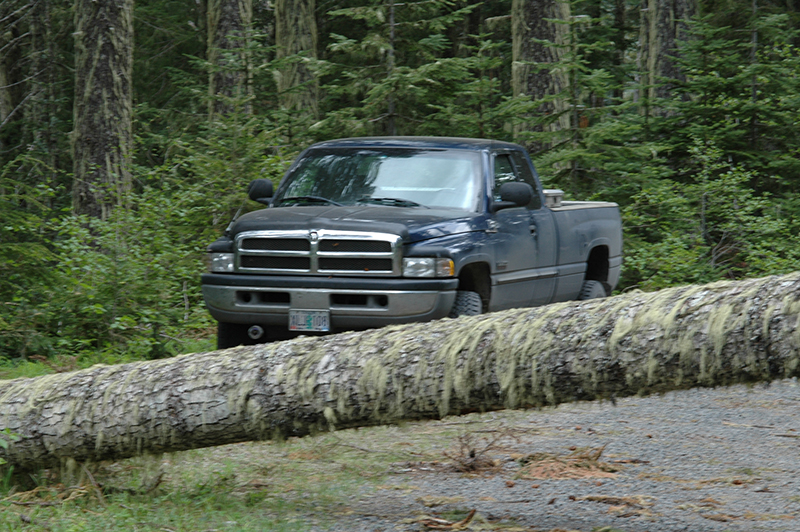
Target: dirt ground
[(723, 459)]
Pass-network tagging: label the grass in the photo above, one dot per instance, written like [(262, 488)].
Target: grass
[(38, 366), (249, 486), (289, 486)]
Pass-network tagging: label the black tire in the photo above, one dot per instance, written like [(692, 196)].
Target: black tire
[(466, 304), (232, 334), (592, 290)]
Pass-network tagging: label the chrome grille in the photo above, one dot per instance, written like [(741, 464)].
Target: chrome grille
[(321, 252)]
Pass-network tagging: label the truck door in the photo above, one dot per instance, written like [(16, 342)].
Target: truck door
[(525, 252)]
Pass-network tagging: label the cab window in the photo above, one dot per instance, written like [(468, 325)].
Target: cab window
[(524, 171), (503, 173), (513, 167)]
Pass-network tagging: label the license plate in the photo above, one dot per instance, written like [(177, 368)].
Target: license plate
[(309, 320)]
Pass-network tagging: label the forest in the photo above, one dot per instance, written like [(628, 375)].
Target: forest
[(130, 130)]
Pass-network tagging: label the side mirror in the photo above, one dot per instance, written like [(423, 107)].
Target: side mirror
[(260, 190), (515, 194)]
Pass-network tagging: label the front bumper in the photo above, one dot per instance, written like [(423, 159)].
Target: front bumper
[(354, 303)]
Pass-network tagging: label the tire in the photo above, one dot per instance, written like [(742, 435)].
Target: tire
[(466, 304), (231, 335), (592, 290)]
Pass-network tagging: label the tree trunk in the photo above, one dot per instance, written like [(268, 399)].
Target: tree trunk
[(41, 107), (229, 22), (533, 62), (637, 343), (663, 24), (296, 40), (12, 13), (102, 140)]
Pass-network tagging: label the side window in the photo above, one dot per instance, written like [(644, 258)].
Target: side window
[(524, 170), (503, 173)]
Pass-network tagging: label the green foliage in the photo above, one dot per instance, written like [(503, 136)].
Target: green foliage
[(6, 439), (708, 180), (742, 95), (713, 227), (395, 73)]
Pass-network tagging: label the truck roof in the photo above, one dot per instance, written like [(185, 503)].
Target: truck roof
[(418, 142)]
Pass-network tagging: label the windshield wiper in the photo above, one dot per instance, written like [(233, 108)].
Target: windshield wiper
[(313, 199), (396, 202)]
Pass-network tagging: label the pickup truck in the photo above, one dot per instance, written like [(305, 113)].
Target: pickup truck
[(367, 232)]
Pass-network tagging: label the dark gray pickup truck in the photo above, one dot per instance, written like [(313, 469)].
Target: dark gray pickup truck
[(367, 232)]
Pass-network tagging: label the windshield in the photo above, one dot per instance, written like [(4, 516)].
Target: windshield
[(388, 176)]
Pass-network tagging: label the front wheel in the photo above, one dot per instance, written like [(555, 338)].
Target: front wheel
[(466, 304), (592, 290)]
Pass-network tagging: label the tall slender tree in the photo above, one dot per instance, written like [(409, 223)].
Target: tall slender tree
[(12, 15), (102, 140), (296, 40), (40, 110), (538, 41), (229, 23), (663, 24)]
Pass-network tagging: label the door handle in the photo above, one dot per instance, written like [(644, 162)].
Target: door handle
[(533, 230)]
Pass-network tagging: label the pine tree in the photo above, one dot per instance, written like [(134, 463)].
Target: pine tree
[(397, 63), (539, 36), (12, 34), (296, 45), (663, 25), (229, 86), (102, 140)]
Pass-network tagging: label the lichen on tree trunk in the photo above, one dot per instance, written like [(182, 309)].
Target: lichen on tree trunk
[(296, 41), (229, 84), (534, 68), (12, 15), (663, 25), (637, 343), (102, 141)]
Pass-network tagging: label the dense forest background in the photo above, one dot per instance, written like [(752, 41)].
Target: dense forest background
[(129, 132)]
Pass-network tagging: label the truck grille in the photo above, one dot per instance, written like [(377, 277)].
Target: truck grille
[(321, 252)]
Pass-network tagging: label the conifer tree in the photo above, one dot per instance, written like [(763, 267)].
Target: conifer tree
[(538, 35), (383, 79), (228, 25), (12, 15), (102, 140), (296, 44), (663, 25)]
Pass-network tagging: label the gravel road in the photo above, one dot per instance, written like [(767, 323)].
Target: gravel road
[(723, 459)]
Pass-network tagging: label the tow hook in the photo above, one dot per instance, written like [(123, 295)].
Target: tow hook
[(255, 332)]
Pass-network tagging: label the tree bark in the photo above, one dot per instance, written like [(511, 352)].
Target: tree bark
[(40, 110), (663, 24), (102, 141), (296, 40), (229, 23), (638, 343), (12, 15), (530, 72)]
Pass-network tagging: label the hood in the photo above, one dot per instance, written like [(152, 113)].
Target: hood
[(411, 223)]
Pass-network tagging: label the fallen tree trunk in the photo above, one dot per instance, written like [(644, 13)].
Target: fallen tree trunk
[(637, 343)]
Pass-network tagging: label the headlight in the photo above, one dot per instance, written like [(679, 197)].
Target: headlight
[(427, 267), (220, 262)]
